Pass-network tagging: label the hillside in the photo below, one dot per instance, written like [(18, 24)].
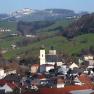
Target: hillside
[(37, 27), (61, 44), (8, 24), (82, 26), (50, 35), (43, 31)]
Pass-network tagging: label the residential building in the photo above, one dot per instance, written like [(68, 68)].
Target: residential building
[(34, 68), (2, 73)]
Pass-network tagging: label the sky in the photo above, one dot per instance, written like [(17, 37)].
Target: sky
[(7, 6)]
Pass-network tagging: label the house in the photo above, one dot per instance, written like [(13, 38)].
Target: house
[(34, 68), (7, 86), (85, 79), (63, 69), (88, 57), (73, 65), (13, 78), (51, 58), (46, 67), (77, 81), (60, 82), (2, 73), (4, 30), (30, 36), (91, 64), (13, 46), (10, 71), (14, 34), (12, 67)]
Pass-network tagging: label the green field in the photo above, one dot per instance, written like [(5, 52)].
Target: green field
[(60, 43)]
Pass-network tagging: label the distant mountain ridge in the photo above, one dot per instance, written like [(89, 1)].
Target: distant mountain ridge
[(27, 14), (2, 16)]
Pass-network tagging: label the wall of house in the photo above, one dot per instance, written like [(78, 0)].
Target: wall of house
[(49, 68), (2, 74), (11, 72), (51, 63), (59, 63), (34, 69)]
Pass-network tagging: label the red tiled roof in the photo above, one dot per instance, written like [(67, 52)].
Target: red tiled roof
[(65, 90), (12, 85), (85, 79), (41, 76), (36, 65), (3, 81)]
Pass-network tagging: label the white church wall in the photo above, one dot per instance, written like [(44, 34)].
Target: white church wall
[(42, 57)]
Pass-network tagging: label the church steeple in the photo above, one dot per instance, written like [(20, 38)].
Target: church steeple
[(42, 55)]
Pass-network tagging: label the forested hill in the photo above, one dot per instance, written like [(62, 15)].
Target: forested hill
[(82, 26)]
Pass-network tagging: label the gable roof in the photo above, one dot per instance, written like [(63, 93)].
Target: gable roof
[(85, 78), (73, 66), (7, 83)]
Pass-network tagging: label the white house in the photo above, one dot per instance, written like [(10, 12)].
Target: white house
[(88, 57), (49, 67), (13, 46), (63, 69), (2, 73), (7, 88), (10, 71), (73, 65), (30, 36), (4, 30), (14, 34)]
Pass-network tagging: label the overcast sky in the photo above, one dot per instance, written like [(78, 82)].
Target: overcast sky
[(77, 5)]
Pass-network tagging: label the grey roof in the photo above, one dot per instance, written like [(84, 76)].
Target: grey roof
[(13, 77), (53, 58)]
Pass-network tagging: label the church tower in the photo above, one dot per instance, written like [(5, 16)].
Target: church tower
[(42, 56)]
